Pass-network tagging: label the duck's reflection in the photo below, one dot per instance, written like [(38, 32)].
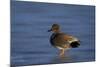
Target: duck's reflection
[(59, 59)]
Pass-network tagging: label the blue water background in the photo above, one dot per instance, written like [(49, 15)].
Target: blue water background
[(30, 39)]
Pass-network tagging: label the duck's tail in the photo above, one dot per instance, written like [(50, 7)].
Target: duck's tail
[(75, 44)]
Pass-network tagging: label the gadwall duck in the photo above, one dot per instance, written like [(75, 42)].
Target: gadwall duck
[(61, 40)]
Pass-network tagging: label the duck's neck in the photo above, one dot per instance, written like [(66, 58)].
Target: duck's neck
[(57, 31)]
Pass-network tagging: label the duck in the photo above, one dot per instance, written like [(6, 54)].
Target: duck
[(62, 41)]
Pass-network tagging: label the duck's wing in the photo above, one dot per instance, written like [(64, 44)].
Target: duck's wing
[(59, 41), (73, 41), (61, 38), (70, 38)]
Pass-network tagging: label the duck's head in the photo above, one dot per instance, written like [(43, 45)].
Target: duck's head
[(55, 28)]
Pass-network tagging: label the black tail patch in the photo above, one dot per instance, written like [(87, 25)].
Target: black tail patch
[(75, 44)]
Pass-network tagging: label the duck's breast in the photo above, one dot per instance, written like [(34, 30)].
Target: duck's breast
[(57, 39)]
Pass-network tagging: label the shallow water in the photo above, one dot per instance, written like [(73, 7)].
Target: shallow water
[(30, 39)]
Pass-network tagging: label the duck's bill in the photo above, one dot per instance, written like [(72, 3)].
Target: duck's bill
[(50, 30)]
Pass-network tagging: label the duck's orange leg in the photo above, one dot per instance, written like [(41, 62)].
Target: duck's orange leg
[(62, 52)]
